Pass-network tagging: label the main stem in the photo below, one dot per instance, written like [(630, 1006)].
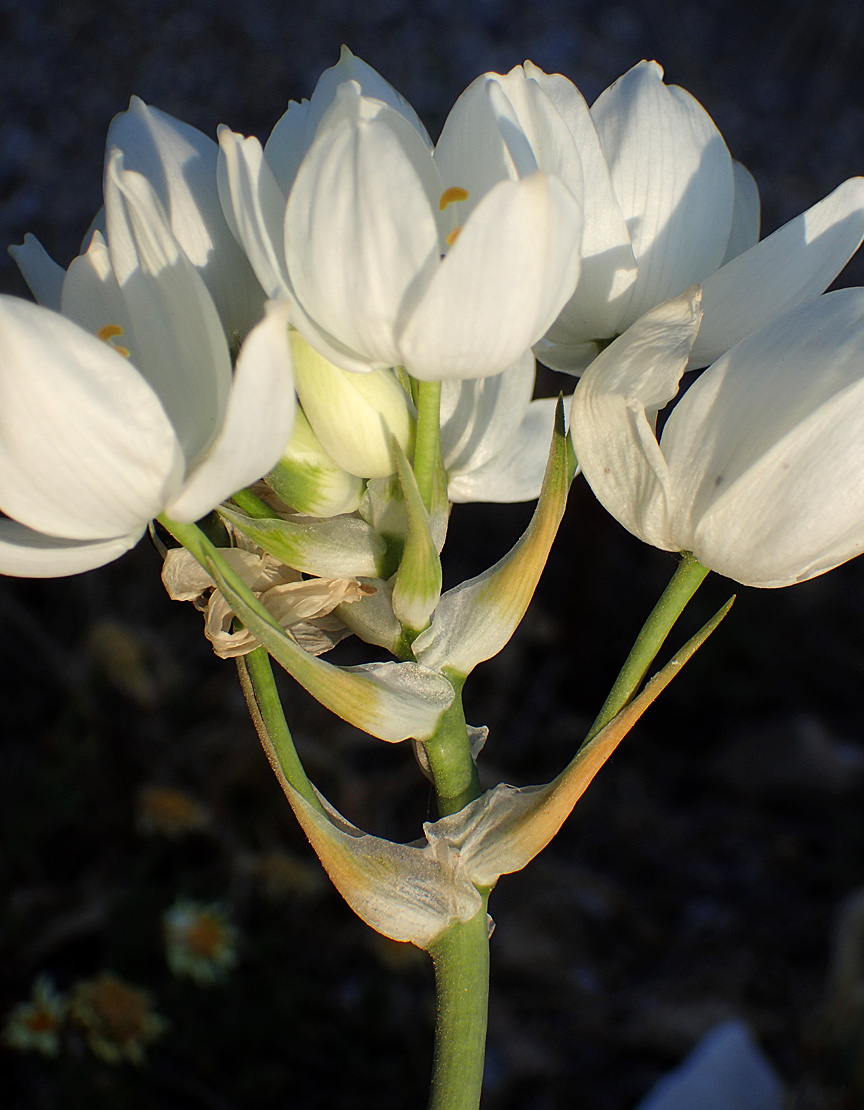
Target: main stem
[(427, 438), (461, 959)]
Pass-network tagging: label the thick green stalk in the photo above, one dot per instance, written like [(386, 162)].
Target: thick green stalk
[(428, 439), (453, 769), (684, 583), (461, 959)]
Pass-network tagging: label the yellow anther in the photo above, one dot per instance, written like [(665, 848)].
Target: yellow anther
[(109, 332), (453, 236), (451, 195)]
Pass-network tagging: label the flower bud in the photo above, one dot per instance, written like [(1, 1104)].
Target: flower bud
[(309, 481), (353, 415)]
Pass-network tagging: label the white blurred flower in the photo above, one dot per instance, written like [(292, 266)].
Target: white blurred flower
[(665, 206), (371, 247), (759, 471), (200, 941)]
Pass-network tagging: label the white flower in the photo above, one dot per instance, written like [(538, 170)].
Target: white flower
[(665, 206), (132, 409), (373, 253), (759, 471), (179, 164)]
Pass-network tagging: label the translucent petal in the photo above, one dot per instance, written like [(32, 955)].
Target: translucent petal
[(180, 163), (40, 271), (28, 554), (258, 420), (673, 178), (181, 348), (792, 266), (360, 235), (613, 416)]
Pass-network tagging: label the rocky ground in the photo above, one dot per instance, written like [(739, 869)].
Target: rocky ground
[(700, 876)]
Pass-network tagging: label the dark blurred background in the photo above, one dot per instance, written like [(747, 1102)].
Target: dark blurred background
[(699, 877)]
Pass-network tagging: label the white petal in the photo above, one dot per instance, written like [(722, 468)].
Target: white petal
[(254, 206), (92, 298), (360, 234), (181, 348), (766, 450), (608, 266), (479, 416), (746, 214), (793, 265), (258, 420), (179, 161), (40, 271), (483, 142), (28, 554), (672, 175), (294, 133), (614, 411), (516, 472), (507, 276), (86, 450)]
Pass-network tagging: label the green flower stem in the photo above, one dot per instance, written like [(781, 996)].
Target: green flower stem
[(427, 442), (265, 707), (461, 959), (684, 583), (251, 504), (453, 769)]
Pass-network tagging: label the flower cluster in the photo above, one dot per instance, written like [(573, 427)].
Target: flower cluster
[(331, 337)]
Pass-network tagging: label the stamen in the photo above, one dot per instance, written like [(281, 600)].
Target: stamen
[(109, 332), (451, 195), (453, 236)]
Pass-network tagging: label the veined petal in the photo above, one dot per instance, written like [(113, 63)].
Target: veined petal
[(746, 214), (179, 161), (483, 142), (792, 266), (28, 554), (181, 348), (608, 266), (92, 298), (86, 450), (613, 415), (254, 207), (772, 493), (507, 276), (672, 175), (360, 235), (480, 416), (258, 420), (295, 131), (516, 472), (40, 271)]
